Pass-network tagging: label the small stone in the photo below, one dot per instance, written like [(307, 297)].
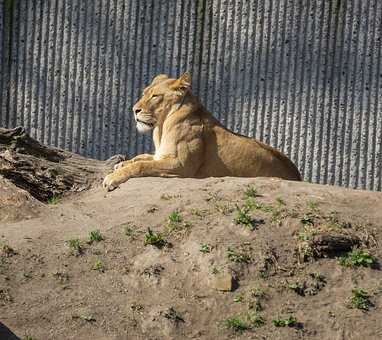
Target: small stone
[(224, 282)]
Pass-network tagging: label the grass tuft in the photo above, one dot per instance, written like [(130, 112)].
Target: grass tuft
[(280, 201), (175, 217), (288, 322), (95, 236), (154, 239), (242, 217), (298, 288), (53, 200), (251, 192), (6, 250), (360, 299), (98, 265), (205, 248), (239, 324), (235, 256), (357, 257), (307, 220), (75, 246), (236, 324)]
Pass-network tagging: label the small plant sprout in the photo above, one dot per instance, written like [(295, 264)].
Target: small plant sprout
[(130, 230), (176, 223), (251, 192), (307, 220), (28, 337), (95, 236), (257, 292), (255, 319), (357, 257), (298, 288), (237, 257), (239, 324), (287, 322), (238, 298), (175, 217), (280, 201), (252, 204), (6, 250), (306, 233), (154, 239), (53, 200), (223, 208), (75, 246), (205, 248), (243, 218), (215, 271), (236, 324), (360, 299), (312, 205), (98, 265)]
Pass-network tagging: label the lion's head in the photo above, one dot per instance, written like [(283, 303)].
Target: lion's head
[(160, 98)]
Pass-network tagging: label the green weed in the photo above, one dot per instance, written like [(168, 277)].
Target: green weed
[(239, 324), (205, 248), (280, 201), (238, 257), (307, 220), (75, 246), (53, 200), (357, 257), (6, 250), (360, 299), (175, 217), (238, 298), (298, 288), (98, 265), (288, 322), (251, 192), (242, 217), (251, 204), (95, 236), (256, 320), (154, 239), (312, 205)]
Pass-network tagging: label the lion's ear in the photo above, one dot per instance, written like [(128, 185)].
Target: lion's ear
[(159, 78), (183, 82)]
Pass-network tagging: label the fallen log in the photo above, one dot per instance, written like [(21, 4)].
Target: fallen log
[(45, 171)]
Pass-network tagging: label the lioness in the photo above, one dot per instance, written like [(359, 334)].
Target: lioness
[(190, 142)]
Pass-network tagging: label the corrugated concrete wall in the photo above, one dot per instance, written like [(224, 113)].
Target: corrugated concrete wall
[(302, 75)]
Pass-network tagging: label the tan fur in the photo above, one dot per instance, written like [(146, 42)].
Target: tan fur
[(190, 142)]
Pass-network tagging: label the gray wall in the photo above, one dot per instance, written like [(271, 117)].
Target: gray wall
[(302, 75)]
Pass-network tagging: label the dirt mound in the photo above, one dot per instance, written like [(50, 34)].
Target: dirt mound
[(197, 259)]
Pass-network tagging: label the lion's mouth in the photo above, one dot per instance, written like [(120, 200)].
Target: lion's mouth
[(144, 127), (145, 123)]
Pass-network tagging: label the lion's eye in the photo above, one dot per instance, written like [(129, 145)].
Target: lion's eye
[(155, 96)]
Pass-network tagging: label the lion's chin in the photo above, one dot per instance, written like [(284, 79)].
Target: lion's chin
[(143, 128)]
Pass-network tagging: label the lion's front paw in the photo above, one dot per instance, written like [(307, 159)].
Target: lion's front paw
[(112, 181)]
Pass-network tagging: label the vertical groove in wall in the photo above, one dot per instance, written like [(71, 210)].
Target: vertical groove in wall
[(304, 76), (2, 83)]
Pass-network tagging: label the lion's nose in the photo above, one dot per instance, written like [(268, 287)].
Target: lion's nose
[(136, 111)]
